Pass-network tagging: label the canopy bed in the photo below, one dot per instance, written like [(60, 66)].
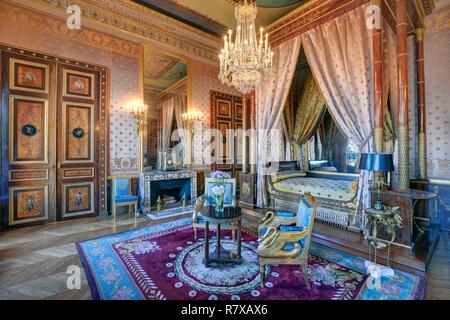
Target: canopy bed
[(340, 83)]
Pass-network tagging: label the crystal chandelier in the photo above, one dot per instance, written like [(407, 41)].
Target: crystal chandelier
[(244, 63)]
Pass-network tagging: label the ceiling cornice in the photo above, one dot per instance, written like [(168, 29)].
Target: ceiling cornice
[(428, 5), (304, 7), (316, 12), (142, 24), (308, 16)]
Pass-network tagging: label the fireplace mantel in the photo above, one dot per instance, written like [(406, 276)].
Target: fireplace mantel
[(154, 183)]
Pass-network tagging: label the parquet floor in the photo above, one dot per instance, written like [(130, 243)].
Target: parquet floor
[(34, 260)]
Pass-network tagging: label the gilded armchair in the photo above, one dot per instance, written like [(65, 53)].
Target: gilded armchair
[(208, 199), (281, 244)]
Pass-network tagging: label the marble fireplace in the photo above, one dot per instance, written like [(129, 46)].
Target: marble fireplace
[(167, 193)]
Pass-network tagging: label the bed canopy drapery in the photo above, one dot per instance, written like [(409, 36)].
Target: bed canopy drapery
[(310, 111), (329, 135), (270, 100), (342, 68)]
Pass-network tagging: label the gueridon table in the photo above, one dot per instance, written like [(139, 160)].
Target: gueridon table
[(230, 215)]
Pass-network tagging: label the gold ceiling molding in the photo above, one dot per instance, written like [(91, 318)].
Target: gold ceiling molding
[(315, 12), (428, 5), (308, 16), (138, 20), (423, 8), (307, 6), (420, 9), (145, 15)]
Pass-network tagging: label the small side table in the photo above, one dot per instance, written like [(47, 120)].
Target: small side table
[(390, 220), (231, 215)]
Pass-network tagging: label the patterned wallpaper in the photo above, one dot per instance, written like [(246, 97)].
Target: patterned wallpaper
[(25, 28), (437, 86)]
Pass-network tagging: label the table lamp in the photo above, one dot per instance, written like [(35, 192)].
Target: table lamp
[(377, 162)]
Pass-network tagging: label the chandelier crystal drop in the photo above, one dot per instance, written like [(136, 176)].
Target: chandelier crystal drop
[(244, 63)]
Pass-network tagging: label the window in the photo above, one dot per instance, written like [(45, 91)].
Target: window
[(352, 158)]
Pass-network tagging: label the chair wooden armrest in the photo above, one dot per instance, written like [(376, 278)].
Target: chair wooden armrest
[(293, 236), (197, 208), (269, 237), (272, 220), (273, 240), (265, 222)]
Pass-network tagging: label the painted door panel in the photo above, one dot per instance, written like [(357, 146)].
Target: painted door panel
[(77, 158), (28, 130)]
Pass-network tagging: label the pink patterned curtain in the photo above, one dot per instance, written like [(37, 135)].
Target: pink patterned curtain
[(180, 108), (271, 98), (339, 54), (167, 109)]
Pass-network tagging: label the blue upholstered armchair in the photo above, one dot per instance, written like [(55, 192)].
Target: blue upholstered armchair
[(281, 244), (122, 195), (208, 199)]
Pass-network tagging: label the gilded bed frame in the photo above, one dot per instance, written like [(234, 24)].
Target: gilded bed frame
[(343, 214)]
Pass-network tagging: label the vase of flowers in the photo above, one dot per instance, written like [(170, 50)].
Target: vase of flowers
[(218, 191), (218, 194)]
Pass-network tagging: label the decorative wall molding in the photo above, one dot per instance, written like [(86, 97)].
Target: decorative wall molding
[(308, 16), (428, 5), (140, 21), (316, 12), (56, 28)]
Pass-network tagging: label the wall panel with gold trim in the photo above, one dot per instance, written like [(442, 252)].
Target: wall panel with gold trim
[(28, 204), (28, 130)]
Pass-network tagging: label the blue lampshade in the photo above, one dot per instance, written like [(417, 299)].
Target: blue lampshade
[(376, 162)]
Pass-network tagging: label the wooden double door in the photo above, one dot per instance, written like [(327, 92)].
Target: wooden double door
[(50, 156), (226, 114)]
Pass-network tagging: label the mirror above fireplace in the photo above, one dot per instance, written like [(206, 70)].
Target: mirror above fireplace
[(165, 94)]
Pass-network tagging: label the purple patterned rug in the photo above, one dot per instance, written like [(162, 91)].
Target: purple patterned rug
[(167, 264)]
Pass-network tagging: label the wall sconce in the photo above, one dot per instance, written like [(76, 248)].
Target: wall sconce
[(138, 112), (192, 116)]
